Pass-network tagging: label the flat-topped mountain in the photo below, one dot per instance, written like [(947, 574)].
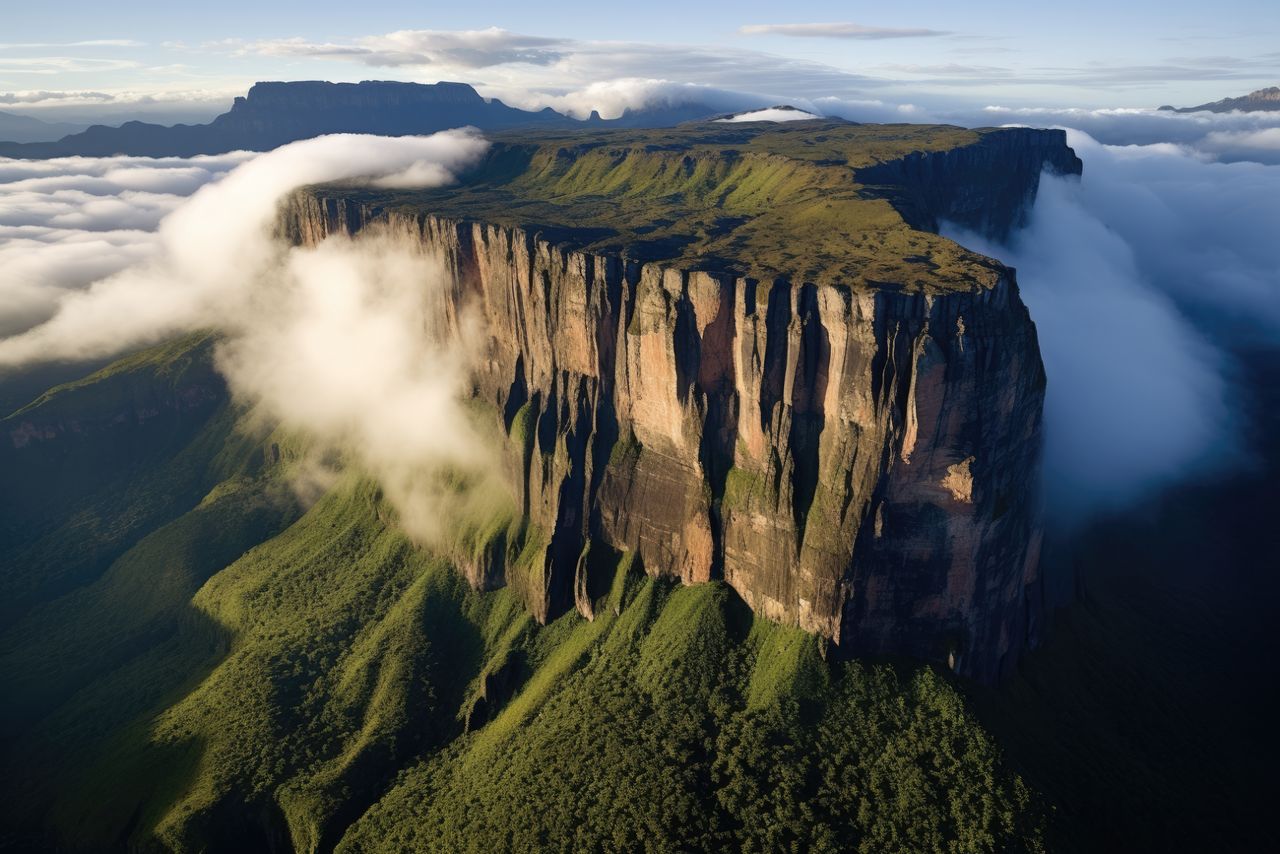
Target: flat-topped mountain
[(275, 113), (742, 353), (824, 201), (756, 417), (1262, 100)]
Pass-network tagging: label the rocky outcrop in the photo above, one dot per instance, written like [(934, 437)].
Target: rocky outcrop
[(860, 462), (987, 187), (1260, 100)]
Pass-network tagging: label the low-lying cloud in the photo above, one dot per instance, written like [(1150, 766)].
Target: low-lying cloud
[(212, 245), (68, 222), (1142, 278), (612, 98), (347, 343), (353, 347), (838, 30), (771, 114), (1229, 137)]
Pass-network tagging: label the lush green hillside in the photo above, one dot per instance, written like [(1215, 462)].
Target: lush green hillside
[(219, 667), (238, 672)]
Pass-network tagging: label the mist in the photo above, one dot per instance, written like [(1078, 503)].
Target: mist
[(67, 222), (347, 344), (1144, 277)]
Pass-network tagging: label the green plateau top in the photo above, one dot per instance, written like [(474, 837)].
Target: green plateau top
[(799, 200)]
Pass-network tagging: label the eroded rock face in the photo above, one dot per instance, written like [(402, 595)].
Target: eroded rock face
[(987, 187), (861, 463)]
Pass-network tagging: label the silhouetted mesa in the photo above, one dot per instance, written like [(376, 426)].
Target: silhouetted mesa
[(273, 114)]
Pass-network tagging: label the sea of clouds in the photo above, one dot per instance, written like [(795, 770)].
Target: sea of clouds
[(69, 222), (348, 343), (1147, 277)]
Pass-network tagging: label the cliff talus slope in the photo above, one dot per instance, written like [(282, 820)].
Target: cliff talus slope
[(810, 396)]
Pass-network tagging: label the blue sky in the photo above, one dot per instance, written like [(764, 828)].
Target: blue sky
[(166, 58)]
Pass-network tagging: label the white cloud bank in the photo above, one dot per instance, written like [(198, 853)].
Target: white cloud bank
[(1142, 277), (68, 222), (838, 30), (211, 246), (771, 114), (1229, 137), (348, 343), (612, 98)]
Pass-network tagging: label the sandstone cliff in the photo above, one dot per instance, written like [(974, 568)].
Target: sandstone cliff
[(856, 459)]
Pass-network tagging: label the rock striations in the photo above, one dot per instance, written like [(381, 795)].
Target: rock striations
[(855, 456)]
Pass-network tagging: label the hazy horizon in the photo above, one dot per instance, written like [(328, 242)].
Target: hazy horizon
[(146, 61)]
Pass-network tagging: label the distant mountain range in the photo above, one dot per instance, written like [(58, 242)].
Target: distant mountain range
[(273, 114), (1263, 100), (18, 128)]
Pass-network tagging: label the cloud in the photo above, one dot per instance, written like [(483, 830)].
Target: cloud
[(89, 43), (63, 65), (211, 244), (1202, 231), (86, 106), (43, 265), (67, 222), (1210, 134), (456, 48), (352, 347), (1262, 145), (515, 64), (1142, 278), (773, 114), (838, 31), (127, 98), (39, 97), (348, 344), (612, 98)]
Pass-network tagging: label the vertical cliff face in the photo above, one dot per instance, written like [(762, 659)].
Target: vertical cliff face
[(987, 187), (858, 461)]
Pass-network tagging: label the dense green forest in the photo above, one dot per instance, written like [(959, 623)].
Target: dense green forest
[(198, 656), (197, 660)]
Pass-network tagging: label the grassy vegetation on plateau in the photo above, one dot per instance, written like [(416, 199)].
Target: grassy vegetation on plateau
[(763, 200)]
